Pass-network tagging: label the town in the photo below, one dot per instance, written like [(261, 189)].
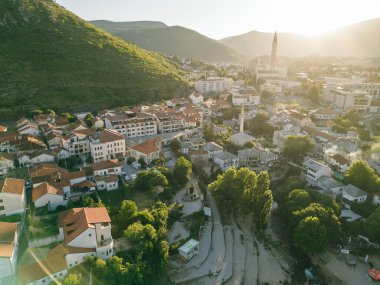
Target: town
[(267, 172)]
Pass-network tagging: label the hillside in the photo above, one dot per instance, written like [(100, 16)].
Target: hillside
[(359, 40), (114, 27), (51, 58), (174, 40)]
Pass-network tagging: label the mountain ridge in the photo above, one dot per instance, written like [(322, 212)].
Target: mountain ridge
[(172, 40), (357, 40)]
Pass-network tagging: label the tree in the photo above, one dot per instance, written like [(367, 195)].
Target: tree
[(88, 120), (363, 176), (266, 95), (175, 145), (146, 180), (71, 118), (141, 160), (310, 235), (262, 201), (260, 127), (72, 279), (372, 227), (297, 199), (313, 93), (182, 171), (295, 147)]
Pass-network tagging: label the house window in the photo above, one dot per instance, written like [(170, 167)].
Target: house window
[(89, 235), (2, 208)]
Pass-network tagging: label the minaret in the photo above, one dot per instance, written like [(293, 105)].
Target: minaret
[(274, 52), (242, 119)]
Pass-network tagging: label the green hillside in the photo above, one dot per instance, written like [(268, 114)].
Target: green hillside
[(51, 58), (114, 27), (174, 40)]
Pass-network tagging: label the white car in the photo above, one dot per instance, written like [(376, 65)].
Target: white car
[(127, 178), (136, 165), (133, 176)]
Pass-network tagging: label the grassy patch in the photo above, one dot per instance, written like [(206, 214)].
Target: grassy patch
[(11, 219), (43, 226), (194, 222)]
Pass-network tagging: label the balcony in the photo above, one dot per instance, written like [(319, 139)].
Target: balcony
[(104, 243)]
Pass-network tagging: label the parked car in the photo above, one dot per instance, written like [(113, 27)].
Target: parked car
[(136, 165), (127, 178), (133, 176)]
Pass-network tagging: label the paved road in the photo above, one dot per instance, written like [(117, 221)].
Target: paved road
[(215, 259), (251, 263), (239, 255)]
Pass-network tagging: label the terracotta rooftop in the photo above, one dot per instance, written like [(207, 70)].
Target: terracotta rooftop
[(7, 236), (106, 164), (73, 175), (340, 159), (44, 267), (13, 186), (45, 188), (77, 220), (148, 146), (110, 136)]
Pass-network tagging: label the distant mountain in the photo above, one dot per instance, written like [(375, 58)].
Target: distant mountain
[(359, 40), (175, 40), (51, 58)]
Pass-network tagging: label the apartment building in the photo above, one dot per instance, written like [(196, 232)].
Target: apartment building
[(107, 144), (132, 124), (12, 196)]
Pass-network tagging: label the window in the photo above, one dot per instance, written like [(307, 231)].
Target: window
[(89, 235), (2, 208)]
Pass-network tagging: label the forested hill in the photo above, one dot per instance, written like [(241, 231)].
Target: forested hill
[(49, 57)]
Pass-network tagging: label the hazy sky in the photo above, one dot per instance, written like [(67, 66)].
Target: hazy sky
[(222, 18)]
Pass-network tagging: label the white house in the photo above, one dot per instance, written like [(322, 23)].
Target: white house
[(87, 228), (61, 153), (212, 148), (46, 194), (12, 196), (241, 139), (148, 150), (196, 98), (107, 144), (107, 167), (108, 183), (8, 252), (353, 194), (314, 170), (37, 156), (6, 162), (330, 186), (225, 160)]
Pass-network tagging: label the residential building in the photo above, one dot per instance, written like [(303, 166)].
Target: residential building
[(108, 144), (168, 123), (48, 195), (323, 114), (9, 237), (298, 119), (225, 160), (78, 142), (148, 150), (38, 156), (214, 85), (110, 182), (329, 186), (212, 148), (315, 169), (353, 194), (87, 228), (132, 124), (12, 196), (256, 156), (6, 162), (245, 95), (107, 167)]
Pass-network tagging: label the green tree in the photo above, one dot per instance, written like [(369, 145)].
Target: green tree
[(297, 200), (363, 176), (72, 279), (310, 235), (313, 93), (175, 145), (88, 120), (182, 171), (295, 147), (146, 180), (371, 225), (260, 127), (262, 201)]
